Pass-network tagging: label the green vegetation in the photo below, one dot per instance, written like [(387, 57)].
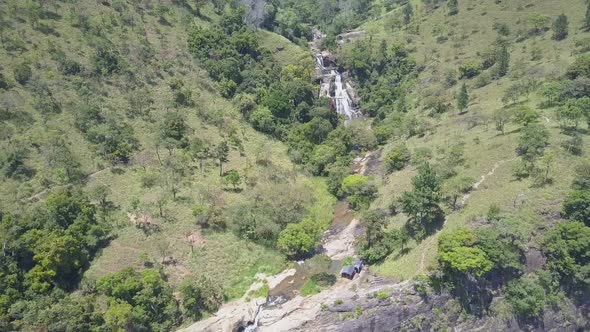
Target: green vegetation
[(114, 144), (316, 282), (156, 157)]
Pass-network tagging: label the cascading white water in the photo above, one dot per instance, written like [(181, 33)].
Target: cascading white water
[(254, 326), (319, 58), (342, 99)]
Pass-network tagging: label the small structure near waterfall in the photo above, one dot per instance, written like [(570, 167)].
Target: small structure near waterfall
[(348, 272)]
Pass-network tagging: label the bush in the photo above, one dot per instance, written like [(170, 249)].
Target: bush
[(483, 80), (526, 296), (574, 144), (577, 206), (360, 192), (469, 70), (106, 60), (3, 82), (397, 158), (200, 296), (580, 68), (502, 28), (23, 73)]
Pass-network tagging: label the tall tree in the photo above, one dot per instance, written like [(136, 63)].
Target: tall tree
[(408, 13), (421, 204), (200, 151), (453, 7), (560, 27), (503, 61), (463, 98), (221, 153)]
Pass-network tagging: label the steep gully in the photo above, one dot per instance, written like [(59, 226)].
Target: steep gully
[(285, 310), (337, 243)]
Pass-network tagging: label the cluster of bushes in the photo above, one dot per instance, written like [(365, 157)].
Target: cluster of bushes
[(46, 250), (477, 263), (113, 137)]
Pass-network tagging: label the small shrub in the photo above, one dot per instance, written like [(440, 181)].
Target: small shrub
[(3, 82), (397, 158), (502, 28), (382, 295), (23, 73), (347, 261), (574, 145), (309, 288), (469, 70), (483, 80), (421, 155)]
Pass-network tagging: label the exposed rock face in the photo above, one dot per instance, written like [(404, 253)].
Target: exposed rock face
[(255, 11), (406, 310)]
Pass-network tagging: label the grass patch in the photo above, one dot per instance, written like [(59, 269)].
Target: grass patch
[(317, 282), (310, 287), (260, 292)]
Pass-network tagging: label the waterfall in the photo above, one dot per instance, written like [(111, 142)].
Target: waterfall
[(254, 326), (342, 99), (319, 58)]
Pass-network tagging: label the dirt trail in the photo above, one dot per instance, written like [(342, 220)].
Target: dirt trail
[(38, 195), (464, 200)]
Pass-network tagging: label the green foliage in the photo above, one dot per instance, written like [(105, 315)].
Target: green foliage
[(232, 177), (421, 204), (13, 164), (459, 255), (534, 138), (174, 130), (503, 62), (138, 300), (408, 11), (23, 73), (501, 117), (263, 120), (378, 243), (571, 113), (580, 68), (453, 7), (576, 206), (463, 98), (469, 70), (397, 158), (316, 282), (359, 190), (106, 60), (566, 248), (582, 176), (455, 187), (298, 239), (537, 22), (525, 115), (57, 240), (560, 27), (526, 296), (200, 296)]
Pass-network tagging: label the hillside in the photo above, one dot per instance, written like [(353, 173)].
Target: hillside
[(194, 164), (117, 109), (441, 45)]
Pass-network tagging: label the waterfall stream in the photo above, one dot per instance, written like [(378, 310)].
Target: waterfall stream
[(345, 106), (342, 99)]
